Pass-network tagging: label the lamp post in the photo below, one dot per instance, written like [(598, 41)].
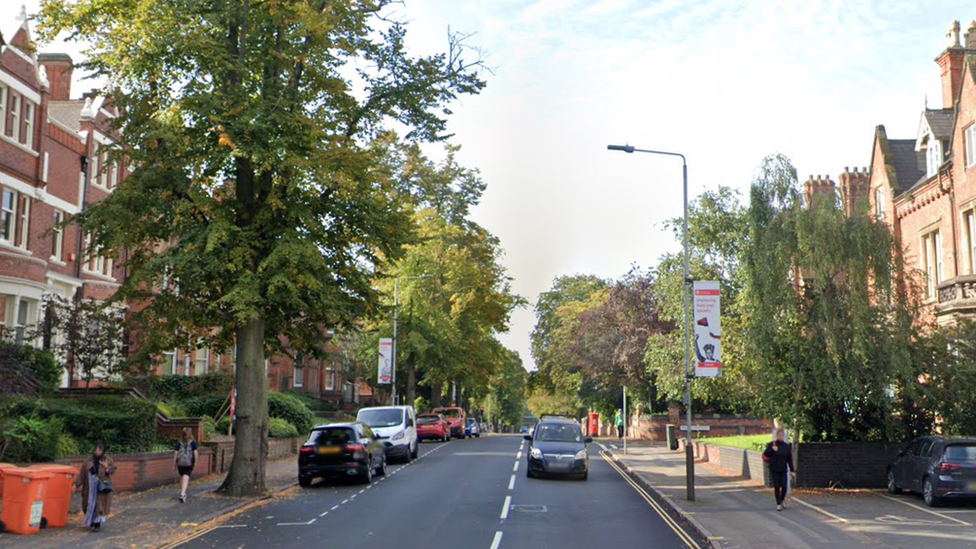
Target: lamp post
[(396, 311), (689, 452)]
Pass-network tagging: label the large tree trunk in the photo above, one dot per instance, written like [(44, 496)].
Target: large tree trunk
[(411, 381), (246, 474), (435, 395)]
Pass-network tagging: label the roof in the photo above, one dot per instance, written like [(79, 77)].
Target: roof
[(336, 425), (908, 163), (10, 22), (940, 122), (68, 113)]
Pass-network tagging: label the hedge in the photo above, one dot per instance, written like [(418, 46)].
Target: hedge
[(291, 409), (171, 387), (200, 406), (280, 428)]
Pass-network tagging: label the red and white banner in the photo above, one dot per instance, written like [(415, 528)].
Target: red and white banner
[(385, 376), (707, 328)]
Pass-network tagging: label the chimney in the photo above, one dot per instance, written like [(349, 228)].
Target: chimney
[(59, 69), (854, 186), (816, 187), (951, 62)]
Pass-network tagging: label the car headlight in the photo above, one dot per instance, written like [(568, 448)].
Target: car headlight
[(536, 453), (581, 454), (400, 435)]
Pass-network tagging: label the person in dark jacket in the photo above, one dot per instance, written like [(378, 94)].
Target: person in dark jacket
[(779, 454)]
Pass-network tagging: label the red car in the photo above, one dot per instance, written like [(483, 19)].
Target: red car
[(455, 418), (433, 427)]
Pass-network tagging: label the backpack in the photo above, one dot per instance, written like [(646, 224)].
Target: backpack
[(184, 456)]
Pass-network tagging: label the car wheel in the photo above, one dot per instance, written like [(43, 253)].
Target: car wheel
[(928, 494), (447, 438), (892, 486), (366, 476), (585, 475), (529, 473), (381, 470), (416, 451), (304, 482), (408, 456)]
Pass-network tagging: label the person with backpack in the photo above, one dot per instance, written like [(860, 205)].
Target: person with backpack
[(184, 460), (779, 456)]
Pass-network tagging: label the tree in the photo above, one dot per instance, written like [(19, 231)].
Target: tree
[(90, 337), (262, 206), (826, 329)]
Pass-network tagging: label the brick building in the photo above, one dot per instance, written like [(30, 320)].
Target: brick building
[(925, 187)]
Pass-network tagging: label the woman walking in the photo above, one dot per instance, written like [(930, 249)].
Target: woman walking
[(184, 460), (779, 455), (95, 481)]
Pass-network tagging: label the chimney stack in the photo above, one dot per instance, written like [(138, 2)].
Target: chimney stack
[(951, 62), (59, 69)]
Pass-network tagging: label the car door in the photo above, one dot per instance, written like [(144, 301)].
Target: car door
[(920, 462), (373, 446), (902, 466)]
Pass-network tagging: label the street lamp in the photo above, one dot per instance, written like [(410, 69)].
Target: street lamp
[(396, 311), (689, 452)]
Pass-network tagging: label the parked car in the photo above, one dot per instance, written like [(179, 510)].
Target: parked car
[(455, 418), (341, 450), (939, 468), (433, 427), (558, 447), (524, 430), (396, 428), (471, 428)]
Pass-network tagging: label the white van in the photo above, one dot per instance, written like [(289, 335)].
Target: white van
[(395, 427)]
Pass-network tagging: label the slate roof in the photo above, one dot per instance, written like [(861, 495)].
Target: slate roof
[(940, 121), (68, 113), (909, 164)]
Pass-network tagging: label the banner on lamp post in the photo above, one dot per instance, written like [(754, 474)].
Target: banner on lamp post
[(707, 328), (386, 361)]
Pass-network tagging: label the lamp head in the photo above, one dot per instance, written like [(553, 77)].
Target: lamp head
[(625, 148)]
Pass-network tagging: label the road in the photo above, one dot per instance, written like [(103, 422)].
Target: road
[(466, 494)]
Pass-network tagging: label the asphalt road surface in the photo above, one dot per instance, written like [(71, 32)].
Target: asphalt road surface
[(465, 494)]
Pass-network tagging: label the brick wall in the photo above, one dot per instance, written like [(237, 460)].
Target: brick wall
[(278, 448), (654, 428), (173, 428), (143, 471)]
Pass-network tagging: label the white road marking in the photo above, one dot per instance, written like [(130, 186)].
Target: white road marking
[(323, 514), (508, 502), (819, 510), (614, 446), (605, 449), (334, 507), (296, 523), (511, 483), (363, 490), (929, 511), (518, 455), (495, 543), (516, 466), (345, 501)]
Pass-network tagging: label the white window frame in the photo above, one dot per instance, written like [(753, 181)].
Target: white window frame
[(23, 215), (969, 238), (3, 109), (201, 366), (970, 138), (169, 361), (933, 156), (879, 203), (8, 216), (330, 378), (931, 262), (14, 116), (57, 236), (298, 379), (29, 112)]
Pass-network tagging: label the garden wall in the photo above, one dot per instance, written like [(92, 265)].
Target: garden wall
[(278, 448), (143, 471)]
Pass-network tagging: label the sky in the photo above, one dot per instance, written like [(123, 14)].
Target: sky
[(723, 82)]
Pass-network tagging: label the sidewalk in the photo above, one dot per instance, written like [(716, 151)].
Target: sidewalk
[(143, 520), (732, 513)]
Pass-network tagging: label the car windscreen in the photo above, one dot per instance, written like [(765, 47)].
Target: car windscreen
[(428, 419), (471, 421), (381, 418), (558, 433), (336, 436), (450, 414), (961, 453)]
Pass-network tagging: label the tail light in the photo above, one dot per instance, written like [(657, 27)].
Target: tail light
[(355, 448), (948, 468), (307, 450)]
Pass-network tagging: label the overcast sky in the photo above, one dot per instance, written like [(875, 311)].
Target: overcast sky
[(724, 82)]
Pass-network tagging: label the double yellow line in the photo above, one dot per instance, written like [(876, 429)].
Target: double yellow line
[(672, 524), (188, 539)]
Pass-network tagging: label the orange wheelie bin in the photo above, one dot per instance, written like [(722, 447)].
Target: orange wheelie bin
[(23, 500), (57, 497), (2, 467)]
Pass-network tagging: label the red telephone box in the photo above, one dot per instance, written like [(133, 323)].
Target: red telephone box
[(593, 425)]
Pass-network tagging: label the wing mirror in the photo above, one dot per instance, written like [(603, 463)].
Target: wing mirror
[(588, 440), (527, 437)]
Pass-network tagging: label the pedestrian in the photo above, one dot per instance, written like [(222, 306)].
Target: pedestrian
[(618, 419), (95, 482), (184, 459), (779, 455)]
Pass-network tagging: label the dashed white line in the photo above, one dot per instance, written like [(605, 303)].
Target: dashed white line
[(296, 523), (518, 455), (511, 483), (614, 446), (515, 468), (345, 501), (334, 507), (363, 490), (323, 514), (601, 445), (495, 543), (508, 502)]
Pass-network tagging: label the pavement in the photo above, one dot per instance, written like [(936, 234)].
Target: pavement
[(148, 519), (468, 494), (731, 512)]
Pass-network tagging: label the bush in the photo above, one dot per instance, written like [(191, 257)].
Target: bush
[(24, 358), (68, 446), (170, 409), (314, 404), (291, 409), (280, 428), (223, 426), (171, 387), (32, 439), (200, 406)]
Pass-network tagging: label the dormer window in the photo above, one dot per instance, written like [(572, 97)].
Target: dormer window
[(933, 157)]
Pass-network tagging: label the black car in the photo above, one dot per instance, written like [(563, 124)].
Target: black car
[(557, 447), (939, 468), (341, 450)]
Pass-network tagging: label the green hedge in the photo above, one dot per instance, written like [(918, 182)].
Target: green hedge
[(200, 406), (280, 428), (123, 424), (291, 409), (41, 364), (181, 387)]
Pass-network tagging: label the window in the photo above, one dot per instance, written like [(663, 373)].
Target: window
[(298, 372), (933, 155), (201, 358), (23, 232), (3, 109), (330, 378), (970, 138), (7, 216), (57, 237), (931, 257), (879, 205), (29, 124), (103, 174), (97, 262), (13, 129), (169, 362), (969, 241), (23, 309)]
